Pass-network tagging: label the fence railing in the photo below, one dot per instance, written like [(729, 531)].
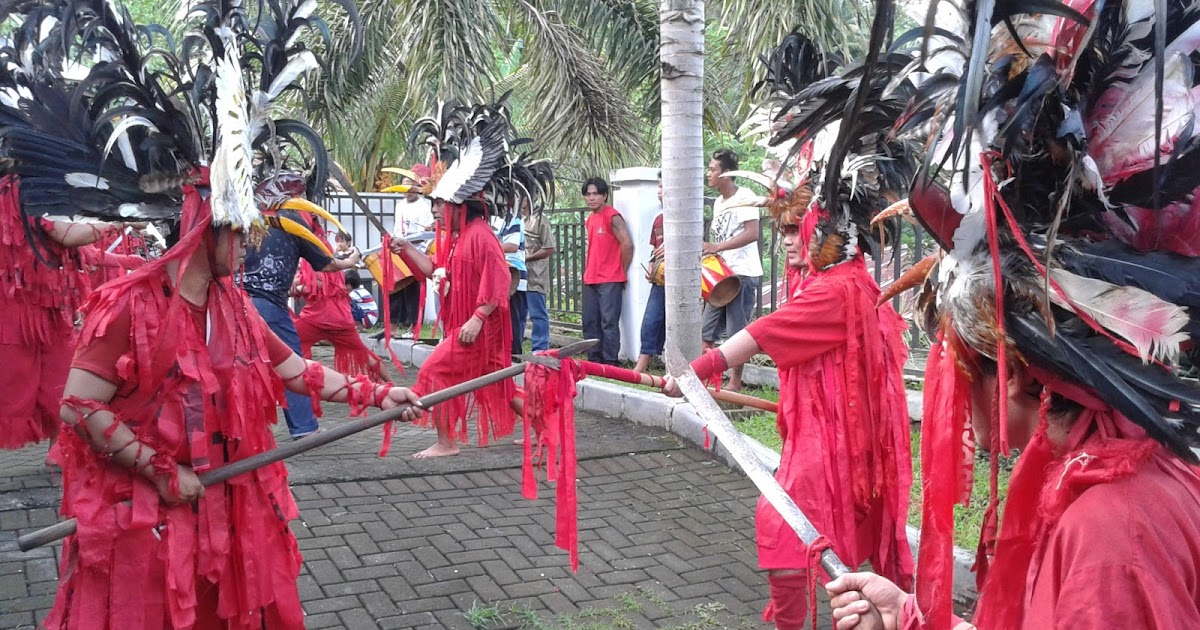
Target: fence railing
[(564, 300)]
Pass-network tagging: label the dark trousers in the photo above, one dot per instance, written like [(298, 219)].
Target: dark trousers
[(299, 412), (404, 304), (602, 320), (518, 310)]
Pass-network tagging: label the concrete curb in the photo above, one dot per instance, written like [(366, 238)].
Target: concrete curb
[(656, 410)]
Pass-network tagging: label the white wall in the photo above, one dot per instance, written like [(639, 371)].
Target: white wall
[(636, 197)]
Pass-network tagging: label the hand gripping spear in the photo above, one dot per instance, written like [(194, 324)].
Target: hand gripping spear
[(720, 426), (65, 528)]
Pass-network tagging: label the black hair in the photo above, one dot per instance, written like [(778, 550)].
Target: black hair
[(727, 159), (352, 279), (598, 182), (345, 236)]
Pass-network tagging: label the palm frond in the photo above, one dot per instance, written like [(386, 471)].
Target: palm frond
[(580, 109)]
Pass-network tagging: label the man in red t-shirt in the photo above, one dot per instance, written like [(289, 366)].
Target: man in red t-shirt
[(609, 252), (654, 318)]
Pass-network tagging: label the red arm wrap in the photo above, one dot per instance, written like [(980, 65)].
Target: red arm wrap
[(710, 366)]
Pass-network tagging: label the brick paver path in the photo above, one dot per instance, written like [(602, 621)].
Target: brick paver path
[(666, 536)]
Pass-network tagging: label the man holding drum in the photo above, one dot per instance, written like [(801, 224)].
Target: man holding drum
[(733, 236)]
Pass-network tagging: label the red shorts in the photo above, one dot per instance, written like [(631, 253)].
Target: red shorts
[(30, 402)]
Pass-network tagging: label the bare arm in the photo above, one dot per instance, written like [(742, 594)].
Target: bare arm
[(622, 233), (510, 248), (413, 256), (341, 264), (70, 234), (739, 349)]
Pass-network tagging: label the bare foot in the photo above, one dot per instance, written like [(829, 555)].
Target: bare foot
[(437, 450), (733, 387), (519, 442)]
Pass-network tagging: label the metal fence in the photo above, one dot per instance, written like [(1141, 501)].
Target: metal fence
[(565, 297)]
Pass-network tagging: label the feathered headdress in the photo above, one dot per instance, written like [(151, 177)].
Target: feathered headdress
[(474, 157), (829, 135), (129, 137), (1061, 183)]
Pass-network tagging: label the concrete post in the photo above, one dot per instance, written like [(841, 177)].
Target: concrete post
[(635, 196)]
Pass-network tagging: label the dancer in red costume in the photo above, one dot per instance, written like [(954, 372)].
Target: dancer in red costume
[(474, 316), (326, 313), (843, 415), (41, 288), (326, 317), (175, 372), (470, 268), (185, 381), (1056, 333)]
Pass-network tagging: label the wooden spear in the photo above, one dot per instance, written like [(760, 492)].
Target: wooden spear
[(65, 528), (649, 380)]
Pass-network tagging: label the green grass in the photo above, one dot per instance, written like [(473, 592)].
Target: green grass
[(482, 616), (967, 519)]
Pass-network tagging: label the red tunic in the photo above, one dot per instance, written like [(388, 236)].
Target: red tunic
[(326, 315), (1125, 551), (844, 423), (476, 274), (38, 301), (603, 250), (197, 385)]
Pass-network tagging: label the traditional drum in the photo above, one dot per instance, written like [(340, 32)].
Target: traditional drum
[(718, 284), (658, 272), (402, 275)]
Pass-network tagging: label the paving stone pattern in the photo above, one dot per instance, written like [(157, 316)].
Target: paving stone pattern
[(666, 536)]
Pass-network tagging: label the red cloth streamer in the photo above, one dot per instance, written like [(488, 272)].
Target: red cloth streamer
[(314, 382), (388, 270), (947, 452), (993, 237), (815, 549), (550, 419)]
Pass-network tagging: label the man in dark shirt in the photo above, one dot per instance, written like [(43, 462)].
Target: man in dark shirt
[(270, 270)]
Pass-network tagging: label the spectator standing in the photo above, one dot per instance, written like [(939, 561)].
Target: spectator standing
[(511, 232), (609, 252), (733, 235), (414, 215), (269, 272), (539, 246), (654, 318)]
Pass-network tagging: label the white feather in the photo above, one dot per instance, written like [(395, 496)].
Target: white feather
[(1152, 325), (158, 237), (305, 9), (122, 128), (459, 173), (757, 178), (86, 180), (231, 173), (296, 66)]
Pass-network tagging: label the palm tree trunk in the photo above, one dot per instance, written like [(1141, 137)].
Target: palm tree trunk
[(681, 25)]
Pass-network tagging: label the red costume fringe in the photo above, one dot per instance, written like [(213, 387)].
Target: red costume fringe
[(41, 287), (476, 275), (134, 561), (550, 417), (326, 316)]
